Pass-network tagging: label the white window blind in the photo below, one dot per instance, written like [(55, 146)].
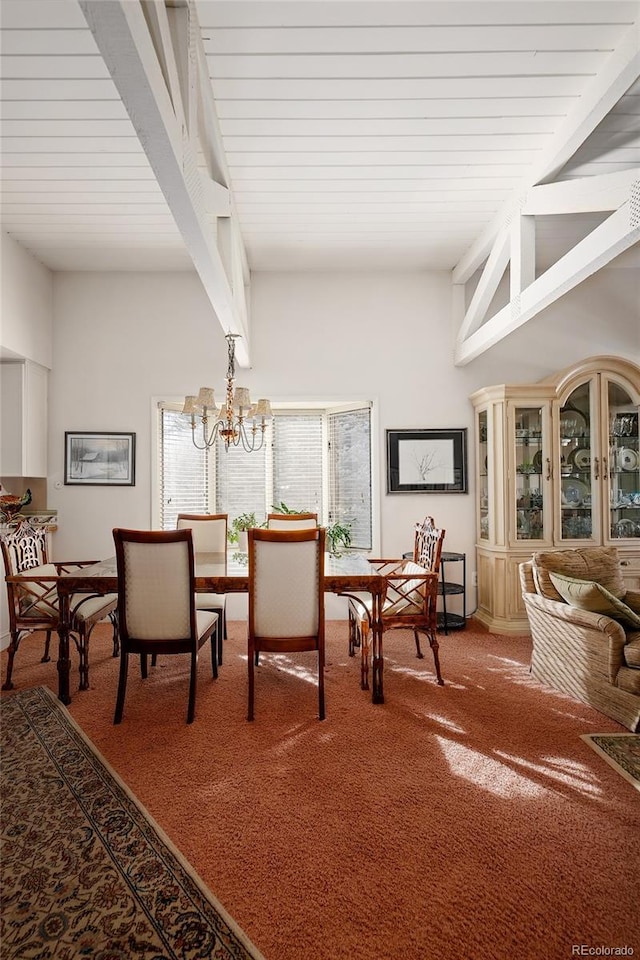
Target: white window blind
[(241, 480), (350, 473), (184, 473), (297, 462)]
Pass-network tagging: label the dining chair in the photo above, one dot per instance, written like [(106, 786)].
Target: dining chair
[(427, 544), (410, 598), (209, 533), (33, 602), (292, 521), (286, 598), (156, 604)]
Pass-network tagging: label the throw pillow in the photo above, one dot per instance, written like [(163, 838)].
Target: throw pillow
[(599, 564), (412, 591), (632, 599), (589, 595)]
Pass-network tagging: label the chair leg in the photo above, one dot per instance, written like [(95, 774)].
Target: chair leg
[(193, 682), (47, 643), (364, 655), (11, 651), (215, 642), (83, 655), (321, 684), (352, 633), (113, 616), (122, 686), (419, 653), (253, 656), (143, 665), (433, 642)]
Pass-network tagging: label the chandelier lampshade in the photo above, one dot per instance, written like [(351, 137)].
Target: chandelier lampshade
[(239, 422)]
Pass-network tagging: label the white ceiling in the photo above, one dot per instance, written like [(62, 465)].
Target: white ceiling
[(356, 134)]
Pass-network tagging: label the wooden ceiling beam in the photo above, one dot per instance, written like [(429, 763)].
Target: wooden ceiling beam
[(619, 73), (126, 44), (618, 232)]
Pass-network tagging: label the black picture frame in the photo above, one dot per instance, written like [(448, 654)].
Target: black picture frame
[(99, 459), (427, 461)]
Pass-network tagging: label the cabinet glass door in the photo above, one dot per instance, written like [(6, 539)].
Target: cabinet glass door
[(483, 474), (623, 467), (576, 453), (531, 471)]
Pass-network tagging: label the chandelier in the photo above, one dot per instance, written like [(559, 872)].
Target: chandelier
[(239, 422)]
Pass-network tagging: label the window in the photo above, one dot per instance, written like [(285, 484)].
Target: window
[(313, 459)]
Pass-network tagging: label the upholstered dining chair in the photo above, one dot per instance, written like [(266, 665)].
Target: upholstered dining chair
[(286, 598), (292, 521), (156, 604), (411, 596), (209, 533), (33, 602)]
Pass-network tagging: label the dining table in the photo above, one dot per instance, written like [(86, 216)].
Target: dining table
[(347, 575)]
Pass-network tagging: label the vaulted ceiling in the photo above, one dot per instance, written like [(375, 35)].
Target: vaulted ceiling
[(239, 135)]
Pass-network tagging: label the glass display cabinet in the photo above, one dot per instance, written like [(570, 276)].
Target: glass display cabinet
[(557, 466)]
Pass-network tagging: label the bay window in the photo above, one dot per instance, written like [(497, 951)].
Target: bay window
[(313, 459)]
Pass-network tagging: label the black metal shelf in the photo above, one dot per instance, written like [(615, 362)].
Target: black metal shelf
[(446, 588)]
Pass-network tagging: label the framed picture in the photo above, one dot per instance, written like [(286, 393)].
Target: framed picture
[(427, 461), (100, 459)]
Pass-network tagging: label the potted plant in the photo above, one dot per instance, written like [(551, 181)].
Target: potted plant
[(338, 535), (238, 530)]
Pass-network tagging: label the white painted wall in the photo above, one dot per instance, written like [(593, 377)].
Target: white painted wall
[(121, 339), (26, 305)]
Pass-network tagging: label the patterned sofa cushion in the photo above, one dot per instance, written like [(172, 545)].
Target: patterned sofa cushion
[(599, 564), (588, 595)]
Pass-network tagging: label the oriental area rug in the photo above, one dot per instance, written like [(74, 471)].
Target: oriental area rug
[(621, 751), (85, 870)]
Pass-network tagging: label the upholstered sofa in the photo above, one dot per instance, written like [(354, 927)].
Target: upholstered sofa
[(585, 627)]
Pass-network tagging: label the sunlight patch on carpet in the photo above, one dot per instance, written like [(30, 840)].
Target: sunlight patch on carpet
[(560, 770), (489, 773)]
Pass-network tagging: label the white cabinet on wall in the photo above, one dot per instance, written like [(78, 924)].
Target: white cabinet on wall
[(24, 392), (557, 466)]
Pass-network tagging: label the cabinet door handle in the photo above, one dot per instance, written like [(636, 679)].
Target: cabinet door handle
[(596, 468), (548, 469), (604, 468)]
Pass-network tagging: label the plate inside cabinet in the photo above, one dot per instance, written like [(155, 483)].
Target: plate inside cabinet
[(581, 458), (628, 459), (573, 492), (573, 423), (537, 461)]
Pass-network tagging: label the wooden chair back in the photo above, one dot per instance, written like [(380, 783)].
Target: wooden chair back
[(292, 521), (427, 548), (209, 531), (156, 603), (286, 598)]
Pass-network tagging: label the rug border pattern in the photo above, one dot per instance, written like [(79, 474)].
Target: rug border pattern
[(599, 743), (64, 735)]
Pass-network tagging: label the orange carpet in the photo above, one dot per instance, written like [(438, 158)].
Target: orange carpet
[(464, 822)]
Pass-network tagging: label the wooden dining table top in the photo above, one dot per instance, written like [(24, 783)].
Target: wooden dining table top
[(350, 572)]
